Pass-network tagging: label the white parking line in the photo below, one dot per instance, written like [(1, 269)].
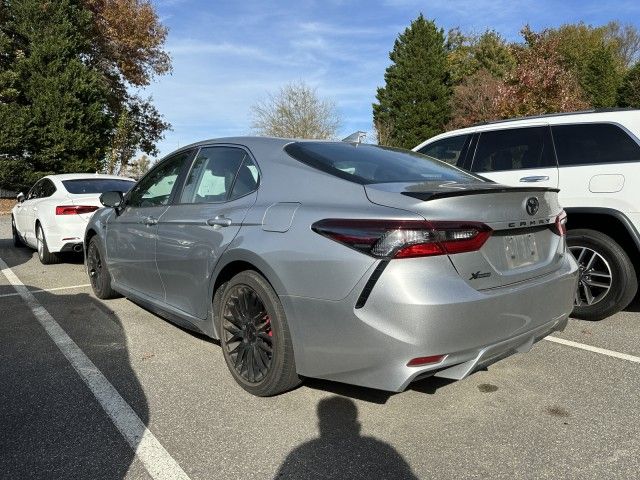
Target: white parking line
[(602, 351), (158, 462), (44, 290)]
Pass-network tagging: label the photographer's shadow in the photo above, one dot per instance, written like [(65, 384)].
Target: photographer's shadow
[(341, 452)]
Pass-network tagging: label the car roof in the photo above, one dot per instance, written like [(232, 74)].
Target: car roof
[(86, 176), (248, 141), (620, 115), (261, 146), (560, 116)]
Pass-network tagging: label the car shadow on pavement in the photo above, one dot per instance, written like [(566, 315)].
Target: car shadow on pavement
[(14, 256), (427, 385), (353, 391), (341, 451), (634, 306), (52, 424)]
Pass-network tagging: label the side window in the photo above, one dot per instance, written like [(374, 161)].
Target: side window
[(48, 188), (513, 149), (155, 188), (219, 174), (247, 179), (36, 191), (448, 149), (589, 143)]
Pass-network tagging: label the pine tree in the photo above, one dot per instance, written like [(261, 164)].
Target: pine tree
[(56, 119), (629, 93), (593, 55), (66, 68), (470, 54), (414, 104), (601, 77)]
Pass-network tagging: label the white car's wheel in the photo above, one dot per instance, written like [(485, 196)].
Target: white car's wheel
[(45, 256), (17, 241)]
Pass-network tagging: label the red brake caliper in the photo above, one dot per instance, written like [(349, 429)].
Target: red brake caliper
[(269, 331)]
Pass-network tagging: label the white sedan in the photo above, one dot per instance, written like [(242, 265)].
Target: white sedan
[(52, 217)]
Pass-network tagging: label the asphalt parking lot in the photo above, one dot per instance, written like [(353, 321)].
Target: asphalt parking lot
[(556, 412)]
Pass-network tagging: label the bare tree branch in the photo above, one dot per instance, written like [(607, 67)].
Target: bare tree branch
[(295, 111)]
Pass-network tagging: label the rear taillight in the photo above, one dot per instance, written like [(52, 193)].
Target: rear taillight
[(560, 225), (75, 209), (405, 238)]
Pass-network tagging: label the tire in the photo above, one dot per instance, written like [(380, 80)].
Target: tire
[(254, 336), (602, 255), (45, 256), (17, 241), (99, 275)]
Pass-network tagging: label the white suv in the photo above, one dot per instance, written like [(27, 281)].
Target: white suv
[(593, 157)]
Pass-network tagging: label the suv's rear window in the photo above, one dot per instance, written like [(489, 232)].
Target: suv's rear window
[(97, 185), (588, 143), (365, 164)]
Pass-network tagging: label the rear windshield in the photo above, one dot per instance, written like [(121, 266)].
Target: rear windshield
[(98, 185), (366, 164)]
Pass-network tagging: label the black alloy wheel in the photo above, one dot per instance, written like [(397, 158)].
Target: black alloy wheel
[(254, 335), (99, 275), (248, 334)]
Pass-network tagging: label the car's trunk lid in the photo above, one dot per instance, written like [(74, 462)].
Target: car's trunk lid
[(522, 245)]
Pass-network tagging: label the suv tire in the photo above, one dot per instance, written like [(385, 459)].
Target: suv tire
[(596, 253)]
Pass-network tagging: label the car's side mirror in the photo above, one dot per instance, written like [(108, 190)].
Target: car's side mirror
[(111, 199), (20, 197)]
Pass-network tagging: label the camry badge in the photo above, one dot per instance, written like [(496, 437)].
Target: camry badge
[(532, 205)]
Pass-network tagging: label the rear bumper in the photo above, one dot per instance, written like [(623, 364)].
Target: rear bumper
[(421, 307), (64, 237), (76, 246)]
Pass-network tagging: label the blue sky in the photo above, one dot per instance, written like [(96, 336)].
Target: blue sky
[(228, 55)]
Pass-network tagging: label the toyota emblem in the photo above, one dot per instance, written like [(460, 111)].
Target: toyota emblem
[(532, 205)]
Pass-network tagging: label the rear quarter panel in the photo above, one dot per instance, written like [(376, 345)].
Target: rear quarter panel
[(601, 185), (304, 262)]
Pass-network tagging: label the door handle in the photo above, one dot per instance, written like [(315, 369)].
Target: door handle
[(535, 178), (150, 221), (219, 221)]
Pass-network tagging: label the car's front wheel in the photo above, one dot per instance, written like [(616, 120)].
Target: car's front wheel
[(99, 275), (45, 256), (607, 281), (254, 336), (17, 241)]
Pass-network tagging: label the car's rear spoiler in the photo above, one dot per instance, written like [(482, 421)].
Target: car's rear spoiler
[(474, 191)]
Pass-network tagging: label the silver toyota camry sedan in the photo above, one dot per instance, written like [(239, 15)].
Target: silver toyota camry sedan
[(350, 262)]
